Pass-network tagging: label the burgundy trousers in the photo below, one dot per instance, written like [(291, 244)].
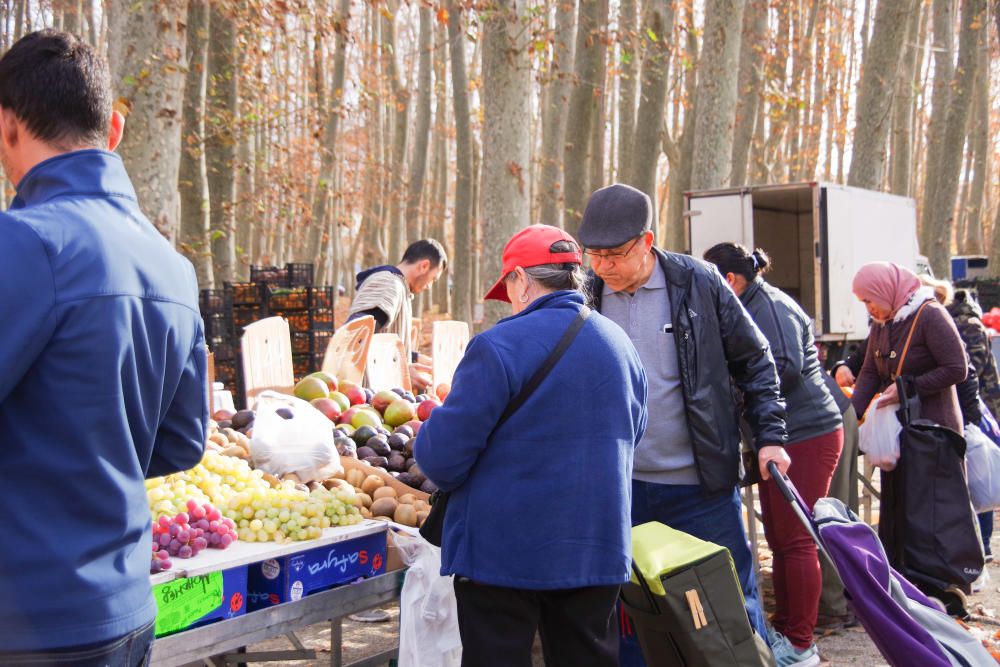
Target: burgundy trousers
[(798, 582)]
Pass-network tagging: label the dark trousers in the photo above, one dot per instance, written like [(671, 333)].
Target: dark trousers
[(132, 650), (498, 625)]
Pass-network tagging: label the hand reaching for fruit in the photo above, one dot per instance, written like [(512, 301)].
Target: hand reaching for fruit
[(420, 376)]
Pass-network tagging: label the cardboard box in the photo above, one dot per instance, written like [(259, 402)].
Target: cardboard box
[(393, 559), (292, 577), (188, 602)]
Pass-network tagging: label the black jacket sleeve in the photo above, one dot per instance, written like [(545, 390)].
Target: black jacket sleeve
[(381, 318), (968, 397)]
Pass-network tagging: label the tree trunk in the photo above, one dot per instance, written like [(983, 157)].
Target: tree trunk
[(943, 45), (591, 23), (879, 71), (220, 141), (680, 155), (332, 110), (939, 214), (749, 86), (980, 140), (193, 174), (400, 116), (628, 66), (644, 153), (506, 100), (150, 76), (421, 132), (550, 193), (902, 109), (598, 123), (245, 209), (462, 256), (715, 100)]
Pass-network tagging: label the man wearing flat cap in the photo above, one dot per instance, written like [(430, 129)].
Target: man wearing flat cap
[(696, 342)]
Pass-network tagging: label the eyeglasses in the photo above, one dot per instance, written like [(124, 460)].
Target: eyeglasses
[(602, 255)]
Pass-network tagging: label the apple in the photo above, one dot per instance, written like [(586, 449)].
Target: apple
[(399, 412), (425, 407), (414, 426), (340, 400), (309, 388), (354, 393), (328, 407), (331, 382), (443, 390), (381, 400)]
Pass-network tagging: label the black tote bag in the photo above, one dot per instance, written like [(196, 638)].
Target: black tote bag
[(929, 527)]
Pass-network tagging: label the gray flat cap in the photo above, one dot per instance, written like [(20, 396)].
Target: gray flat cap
[(615, 214)]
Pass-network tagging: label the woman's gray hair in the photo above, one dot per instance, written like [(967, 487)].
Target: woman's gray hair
[(558, 276)]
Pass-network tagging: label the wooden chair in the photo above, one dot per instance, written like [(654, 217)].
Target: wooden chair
[(267, 357), (450, 338), (387, 364), (347, 353)]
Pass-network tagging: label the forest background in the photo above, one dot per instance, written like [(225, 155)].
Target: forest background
[(337, 131)]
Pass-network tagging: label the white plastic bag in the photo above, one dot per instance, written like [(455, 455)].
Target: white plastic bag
[(428, 612), (302, 444), (878, 436), (982, 459)]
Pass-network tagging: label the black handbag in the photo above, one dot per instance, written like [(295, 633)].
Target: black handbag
[(929, 529), (432, 529)]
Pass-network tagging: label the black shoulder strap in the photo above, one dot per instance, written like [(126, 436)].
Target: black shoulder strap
[(547, 366)]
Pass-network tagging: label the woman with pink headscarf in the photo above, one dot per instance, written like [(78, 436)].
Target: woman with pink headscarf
[(935, 359)]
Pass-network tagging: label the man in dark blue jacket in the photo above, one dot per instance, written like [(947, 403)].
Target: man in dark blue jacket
[(696, 342), (102, 367)]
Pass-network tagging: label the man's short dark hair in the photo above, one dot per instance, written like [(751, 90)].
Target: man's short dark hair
[(428, 249), (59, 87)]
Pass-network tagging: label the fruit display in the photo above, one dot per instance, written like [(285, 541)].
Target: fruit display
[(187, 533)]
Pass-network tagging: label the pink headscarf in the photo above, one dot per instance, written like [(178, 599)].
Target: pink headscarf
[(887, 285)]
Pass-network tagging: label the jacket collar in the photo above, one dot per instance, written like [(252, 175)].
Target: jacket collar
[(677, 274), (86, 172), (557, 299), (755, 285)]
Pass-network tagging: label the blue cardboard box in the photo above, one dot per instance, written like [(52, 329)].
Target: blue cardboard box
[(190, 602), (292, 577)]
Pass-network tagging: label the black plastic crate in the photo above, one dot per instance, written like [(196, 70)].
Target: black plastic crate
[(245, 294), (310, 342), (293, 274), (278, 298), (275, 275), (218, 325), (224, 348), (244, 315), (212, 301), (305, 321), (304, 364), (299, 274)]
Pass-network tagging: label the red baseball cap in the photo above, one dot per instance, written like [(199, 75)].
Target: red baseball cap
[(533, 246)]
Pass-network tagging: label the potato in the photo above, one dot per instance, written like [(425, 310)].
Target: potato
[(231, 434), (366, 500), (271, 479), (237, 451), (421, 506), (406, 515), (407, 499), (366, 513), (243, 441), (384, 507), (336, 484), (219, 439), (355, 477), (291, 477), (358, 501), (421, 517), (340, 475), (384, 492), (371, 483)]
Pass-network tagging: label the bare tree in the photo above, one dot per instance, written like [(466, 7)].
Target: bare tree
[(749, 85), (506, 136), (192, 180), (422, 128), (943, 25), (902, 109), (550, 193), (148, 71), (400, 115), (628, 43), (972, 243), (715, 101), (462, 259)]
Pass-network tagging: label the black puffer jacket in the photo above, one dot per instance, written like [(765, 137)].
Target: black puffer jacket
[(717, 344), (811, 409)]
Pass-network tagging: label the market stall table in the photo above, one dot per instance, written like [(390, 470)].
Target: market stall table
[(215, 642)]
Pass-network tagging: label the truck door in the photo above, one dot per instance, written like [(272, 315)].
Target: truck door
[(715, 218)]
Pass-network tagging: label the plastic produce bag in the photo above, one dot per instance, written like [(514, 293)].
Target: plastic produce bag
[(428, 612), (982, 460), (878, 436), (291, 436)]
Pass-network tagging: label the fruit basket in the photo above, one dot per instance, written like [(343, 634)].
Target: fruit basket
[(297, 298), (293, 274), (244, 294), (244, 315), (310, 342), (304, 364), (212, 301), (218, 325), (305, 321)]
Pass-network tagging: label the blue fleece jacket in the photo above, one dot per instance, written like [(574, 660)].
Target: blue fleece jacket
[(102, 384), (542, 502)]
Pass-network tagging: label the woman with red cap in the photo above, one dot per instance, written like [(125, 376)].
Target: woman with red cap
[(537, 528)]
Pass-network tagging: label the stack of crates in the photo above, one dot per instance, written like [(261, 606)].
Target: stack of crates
[(220, 335), (309, 312)]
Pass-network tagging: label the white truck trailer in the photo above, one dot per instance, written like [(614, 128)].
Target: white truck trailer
[(817, 235)]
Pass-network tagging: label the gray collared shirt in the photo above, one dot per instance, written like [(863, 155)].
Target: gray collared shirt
[(665, 454)]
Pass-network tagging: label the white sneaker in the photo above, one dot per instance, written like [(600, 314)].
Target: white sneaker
[(980, 583), (787, 655)]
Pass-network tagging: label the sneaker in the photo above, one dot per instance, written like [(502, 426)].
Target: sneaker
[(370, 616), (980, 583), (787, 655), (833, 622)]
